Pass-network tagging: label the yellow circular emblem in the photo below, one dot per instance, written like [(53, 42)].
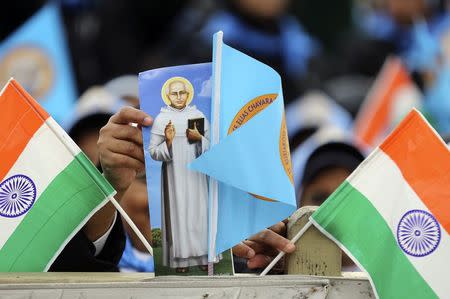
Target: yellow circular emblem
[(165, 90), (30, 66), (246, 113)]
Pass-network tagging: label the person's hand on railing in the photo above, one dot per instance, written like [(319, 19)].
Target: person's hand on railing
[(260, 249)]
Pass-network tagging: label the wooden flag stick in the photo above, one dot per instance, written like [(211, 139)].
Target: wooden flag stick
[(132, 225), (282, 253)]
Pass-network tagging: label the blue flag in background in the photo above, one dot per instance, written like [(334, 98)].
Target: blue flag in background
[(437, 100), (251, 185), (425, 50), (36, 56)]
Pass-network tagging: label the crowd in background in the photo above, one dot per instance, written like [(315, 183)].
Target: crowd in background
[(328, 54)]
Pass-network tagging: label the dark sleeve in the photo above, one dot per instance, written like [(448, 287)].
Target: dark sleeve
[(78, 255)]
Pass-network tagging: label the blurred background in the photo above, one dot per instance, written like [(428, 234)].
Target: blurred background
[(313, 44)]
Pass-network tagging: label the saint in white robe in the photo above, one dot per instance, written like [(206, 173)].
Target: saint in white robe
[(184, 193)]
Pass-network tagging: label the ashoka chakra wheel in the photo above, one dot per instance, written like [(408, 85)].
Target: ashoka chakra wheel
[(17, 195), (418, 233)]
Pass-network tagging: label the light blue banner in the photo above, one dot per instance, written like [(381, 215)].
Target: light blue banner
[(36, 55), (251, 162)]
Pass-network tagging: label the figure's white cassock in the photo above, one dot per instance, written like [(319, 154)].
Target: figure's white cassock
[(184, 193)]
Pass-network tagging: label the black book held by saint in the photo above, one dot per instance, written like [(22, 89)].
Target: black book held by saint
[(199, 123)]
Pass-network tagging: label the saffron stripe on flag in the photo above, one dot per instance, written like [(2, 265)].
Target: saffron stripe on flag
[(395, 200), (345, 219), (18, 125), (424, 161), (31, 101), (63, 208)]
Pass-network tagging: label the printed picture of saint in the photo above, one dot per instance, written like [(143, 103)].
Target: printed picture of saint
[(179, 135)]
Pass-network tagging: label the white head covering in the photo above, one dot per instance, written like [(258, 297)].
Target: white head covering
[(314, 110), (126, 85)]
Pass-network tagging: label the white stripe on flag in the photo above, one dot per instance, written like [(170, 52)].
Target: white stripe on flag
[(42, 160), (392, 200), (63, 136)]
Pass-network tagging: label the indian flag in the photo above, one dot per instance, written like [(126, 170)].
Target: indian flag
[(388, 101), (49, 188), (392, 215)]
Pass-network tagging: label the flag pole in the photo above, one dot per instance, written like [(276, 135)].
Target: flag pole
[(282, 253), (132, 225), (215, 137)]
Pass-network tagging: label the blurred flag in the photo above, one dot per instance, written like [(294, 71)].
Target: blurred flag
[(391, 97), (437, 100), (249, 162), (392, 215), (49, 188), (425, 51), (36, 55)]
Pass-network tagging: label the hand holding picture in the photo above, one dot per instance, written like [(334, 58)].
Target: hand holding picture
[(120, 147)]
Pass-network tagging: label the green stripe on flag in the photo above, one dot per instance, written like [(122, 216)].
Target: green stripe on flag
[(90, 168), (62, 207), (353, 221)]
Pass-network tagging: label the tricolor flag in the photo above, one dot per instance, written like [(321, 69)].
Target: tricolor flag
[(49, 188), (392, 215), (391, 97)]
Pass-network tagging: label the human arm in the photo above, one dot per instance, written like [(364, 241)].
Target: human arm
[(122, 157), (81, 254), (135, 203)]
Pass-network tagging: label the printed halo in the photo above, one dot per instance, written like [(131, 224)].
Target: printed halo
[(186, 82)]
